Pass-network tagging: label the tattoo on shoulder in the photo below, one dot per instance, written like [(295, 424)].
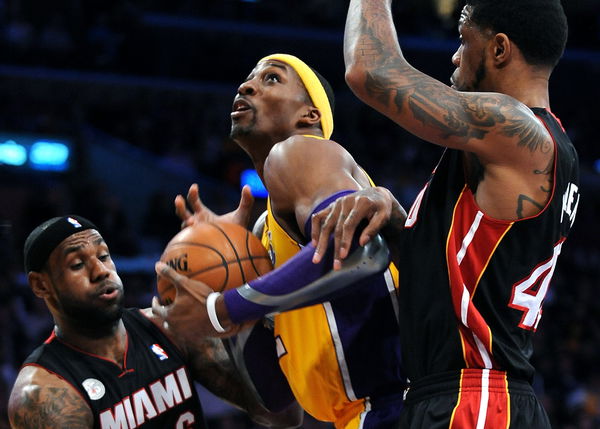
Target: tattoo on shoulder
[(530, 132), (52, 407)]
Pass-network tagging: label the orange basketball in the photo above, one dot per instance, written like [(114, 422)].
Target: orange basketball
[(222, 255)]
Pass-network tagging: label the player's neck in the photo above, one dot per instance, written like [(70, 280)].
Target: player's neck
[(531, 91), (108, 342)]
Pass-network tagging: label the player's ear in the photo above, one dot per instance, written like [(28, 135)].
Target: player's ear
[(40, 283), (501, 49), (311, 117)]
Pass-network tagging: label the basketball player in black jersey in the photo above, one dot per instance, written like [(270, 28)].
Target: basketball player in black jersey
[(105, 366), (481, 241)]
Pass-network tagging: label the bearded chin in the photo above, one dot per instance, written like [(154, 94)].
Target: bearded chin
[(238, 130), (95, 321)]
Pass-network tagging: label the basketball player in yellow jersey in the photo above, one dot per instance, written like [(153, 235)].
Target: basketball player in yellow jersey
[(341, 356)]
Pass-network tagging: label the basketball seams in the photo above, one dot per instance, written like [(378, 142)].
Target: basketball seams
[(249, 252), (194, 244), (235, 251), (198, 249), (226, 262), (187, 244)]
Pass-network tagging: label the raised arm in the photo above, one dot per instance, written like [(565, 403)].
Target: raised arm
[(506, 142), (378, 73), (41, 400)]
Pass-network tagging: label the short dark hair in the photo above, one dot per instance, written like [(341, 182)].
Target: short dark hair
[(538, 27), (328, 89)]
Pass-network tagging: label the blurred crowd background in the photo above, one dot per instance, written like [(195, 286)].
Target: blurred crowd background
[(142, 90)]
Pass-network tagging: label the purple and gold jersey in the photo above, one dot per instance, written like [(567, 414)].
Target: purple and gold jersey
[(342, 357)]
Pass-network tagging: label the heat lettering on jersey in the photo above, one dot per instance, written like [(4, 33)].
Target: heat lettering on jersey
[(148, 402), (570, 203)]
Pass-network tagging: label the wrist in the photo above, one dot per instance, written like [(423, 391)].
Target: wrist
[(217, 313), (222, 313)]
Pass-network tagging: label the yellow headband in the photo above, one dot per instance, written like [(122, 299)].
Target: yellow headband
[(313, 86)]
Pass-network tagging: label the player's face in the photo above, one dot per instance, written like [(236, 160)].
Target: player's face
[(87, 290), (470, 58), (268, 103)]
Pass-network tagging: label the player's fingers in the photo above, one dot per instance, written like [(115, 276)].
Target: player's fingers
[(321, 230), (181, 210), (376, 222), (163, 270), (344, 231), (347, 229), (183, 285), (193, 198), (244, 210), (158, 309), (316, 221)]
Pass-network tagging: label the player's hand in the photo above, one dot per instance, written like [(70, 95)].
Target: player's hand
[(201, 213), (375, 205), (186, 317)]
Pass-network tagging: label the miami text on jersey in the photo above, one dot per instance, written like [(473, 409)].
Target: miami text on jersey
[(149, 402)]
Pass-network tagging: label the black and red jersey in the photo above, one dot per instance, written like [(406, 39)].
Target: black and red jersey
[(472, 287), (153, 389)]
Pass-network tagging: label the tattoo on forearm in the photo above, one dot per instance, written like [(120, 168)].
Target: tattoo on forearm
[(51, 408), (217, 373), (397, 86)]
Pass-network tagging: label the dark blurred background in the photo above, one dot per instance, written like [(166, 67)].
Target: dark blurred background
[(138, 94)]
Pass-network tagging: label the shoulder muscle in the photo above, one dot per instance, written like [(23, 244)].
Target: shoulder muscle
[(302, 171), (42, 400)]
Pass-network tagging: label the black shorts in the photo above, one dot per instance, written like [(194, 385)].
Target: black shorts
[(472, 399)]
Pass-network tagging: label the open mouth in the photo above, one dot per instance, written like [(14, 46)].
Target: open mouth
[(109, 292), (239, 107)]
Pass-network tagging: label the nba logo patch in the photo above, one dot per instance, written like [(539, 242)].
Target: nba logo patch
[(74, 222), (159, 352)]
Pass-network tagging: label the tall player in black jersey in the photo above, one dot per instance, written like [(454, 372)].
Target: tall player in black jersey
[(481, 241), (109, 367)]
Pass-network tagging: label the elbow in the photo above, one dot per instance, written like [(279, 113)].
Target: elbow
[(356, 78)]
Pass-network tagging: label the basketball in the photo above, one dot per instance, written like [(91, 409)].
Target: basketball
[(222, 255)]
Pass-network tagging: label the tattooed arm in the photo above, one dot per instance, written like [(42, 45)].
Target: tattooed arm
[(511, 145), (41, 400), (212, 367)]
